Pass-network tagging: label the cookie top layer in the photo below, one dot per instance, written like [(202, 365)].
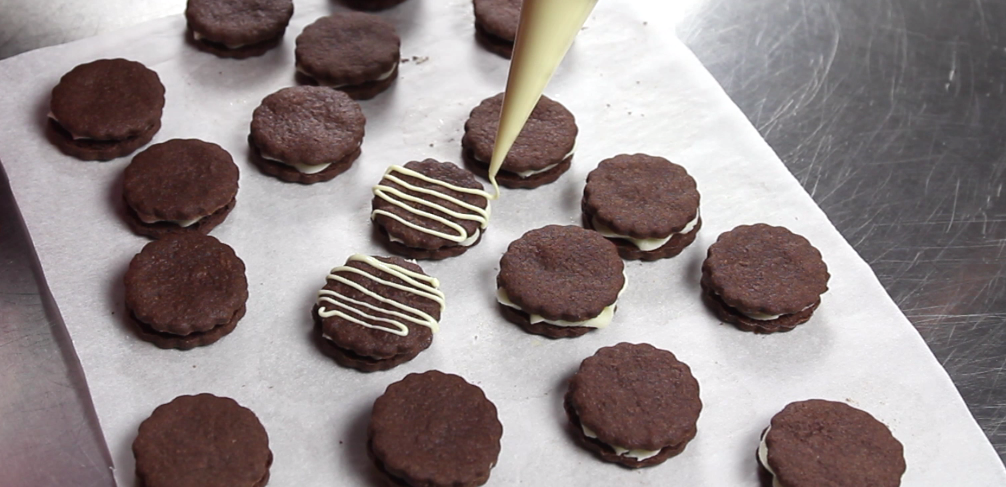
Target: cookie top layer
[(185, 283), (401, 225), (636, 396), (108, 99), (180, 179), (435, 429), (562, 273), (239, 22), (498, 17), (546, 139), (817, 442), (641, 196), (348, 48), (310, 125), (204, 441), (388, 283), (765, 269)]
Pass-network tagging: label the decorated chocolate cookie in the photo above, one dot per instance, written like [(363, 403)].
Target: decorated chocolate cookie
[(353, 52), (824, 443), (376, 313), (430, 209), (202, 441), (634, 405), (542, 152), (763, 279), (182, 185), (647, 206), (496, 25), (185, 290), (560, 281), (105, 109), (237, 28), (306, 134), (436, 430)]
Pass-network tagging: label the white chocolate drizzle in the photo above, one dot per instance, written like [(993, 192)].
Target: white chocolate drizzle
[(418, 284), (398, 198)]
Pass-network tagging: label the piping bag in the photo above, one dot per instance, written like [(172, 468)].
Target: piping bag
[(545, 32)]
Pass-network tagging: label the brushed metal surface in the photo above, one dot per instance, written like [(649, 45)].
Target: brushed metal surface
[(889, 112), (49, 433)]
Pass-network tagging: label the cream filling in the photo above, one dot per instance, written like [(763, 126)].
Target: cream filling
[(382, 77), (600, 321), (465, 243), (181, 223), (763, 458), (532, 172), (303, 168), (625, 452), (200, 37), (73, 135), (644, 244), (761, 316)]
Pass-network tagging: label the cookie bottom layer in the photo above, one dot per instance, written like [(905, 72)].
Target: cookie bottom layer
[(97, 150), (523, 320), (606, 453), (629, 251), (347, 358), (493, 44), (513, 180), (362, 91), (423, 254), (290, 174), (185, 342), (743, 322), (221, 50), (160, 229)]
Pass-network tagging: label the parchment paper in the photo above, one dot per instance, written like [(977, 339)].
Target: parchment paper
[(633, 88)]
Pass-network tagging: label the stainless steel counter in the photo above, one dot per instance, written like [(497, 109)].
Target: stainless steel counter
[(889, 112)]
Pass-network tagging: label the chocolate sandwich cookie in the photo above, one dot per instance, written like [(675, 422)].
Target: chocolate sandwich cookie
[(371, 4), (496, 25), (647, 206), (202, 441), (634, 405), (237, 28), (182, 185), (541, 153), (185, 290), (306, 134), (105, 109), (763, 279), (430, 209), (353, 52), (435, 430), (377, 312), (816, 442), (560, 281)]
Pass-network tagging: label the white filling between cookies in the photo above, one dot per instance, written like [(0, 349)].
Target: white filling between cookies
[(762, 316), (600, 321), (532, 172), (303, 168), (763, 458), (382, 77), (625, 452), (181, 223), (199, 37), (644, 244)]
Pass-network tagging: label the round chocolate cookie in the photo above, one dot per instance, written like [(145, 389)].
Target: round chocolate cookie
[(436, 430), (763, 279), (353, 52), (237, 28), (105, 109), (541, 153), (648, 206), (377, 312), (824, 443), (430, 209), (306, 134), (560, 281), (202, 441), (182, 185), (634, 405), (185, 290), (371, 4), (496, 25)]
